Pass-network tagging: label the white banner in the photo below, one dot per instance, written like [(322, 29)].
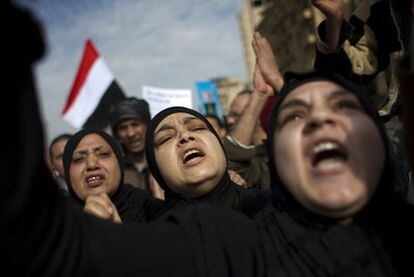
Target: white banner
[(162, 98)]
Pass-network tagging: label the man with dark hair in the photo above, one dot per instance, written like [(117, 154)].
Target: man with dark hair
[(56, 149), (129, 119)]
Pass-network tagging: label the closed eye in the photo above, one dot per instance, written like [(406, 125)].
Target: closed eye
[(163, 140), (198, 128), (104, 154), (196, 125), (77, 159)]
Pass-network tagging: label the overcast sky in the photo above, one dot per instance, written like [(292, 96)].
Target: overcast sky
[(162, 43)]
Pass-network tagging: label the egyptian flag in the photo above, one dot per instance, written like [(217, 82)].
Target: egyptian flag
[(93, 91)]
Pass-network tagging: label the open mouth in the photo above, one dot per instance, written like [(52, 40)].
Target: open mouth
[(192, 154), (328, 153), (95, 180)]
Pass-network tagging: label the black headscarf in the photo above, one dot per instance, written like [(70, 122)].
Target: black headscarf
[(294, 80), (226, 193), (298, 242), (133, 205)]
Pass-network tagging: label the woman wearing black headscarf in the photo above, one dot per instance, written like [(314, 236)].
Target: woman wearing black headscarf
[(94, 171), (334, 211), (187, 159)]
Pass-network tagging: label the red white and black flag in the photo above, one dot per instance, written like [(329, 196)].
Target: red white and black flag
[(93, 91)]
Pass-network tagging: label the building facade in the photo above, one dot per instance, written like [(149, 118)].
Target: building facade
[(289, 26)]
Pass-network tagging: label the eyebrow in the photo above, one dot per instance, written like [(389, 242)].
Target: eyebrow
[(294, 103), (340, 93), (297, 102), (163, 128), (186, 120)]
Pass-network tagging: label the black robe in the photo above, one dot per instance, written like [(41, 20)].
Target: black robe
[(226, 195)]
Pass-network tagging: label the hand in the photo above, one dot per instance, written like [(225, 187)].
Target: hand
[(156, 190), (237, 179), (260, 84), (267, 62), (101, 206), (330, 8)]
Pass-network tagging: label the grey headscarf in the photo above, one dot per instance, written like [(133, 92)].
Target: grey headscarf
[(130, 108)]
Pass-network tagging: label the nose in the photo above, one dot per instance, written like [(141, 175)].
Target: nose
[(130, 131), (92, 163), (185, 136), (318, 119)]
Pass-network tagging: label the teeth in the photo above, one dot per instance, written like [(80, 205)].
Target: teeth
[(328, 164), (94, 178), (324, 146), (189, 153)]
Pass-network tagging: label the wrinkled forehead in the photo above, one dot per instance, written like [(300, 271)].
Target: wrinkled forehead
[(176, 119), (91, 141), (317, 91)]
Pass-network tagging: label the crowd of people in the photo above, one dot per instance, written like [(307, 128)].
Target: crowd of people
[(306, 176)]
